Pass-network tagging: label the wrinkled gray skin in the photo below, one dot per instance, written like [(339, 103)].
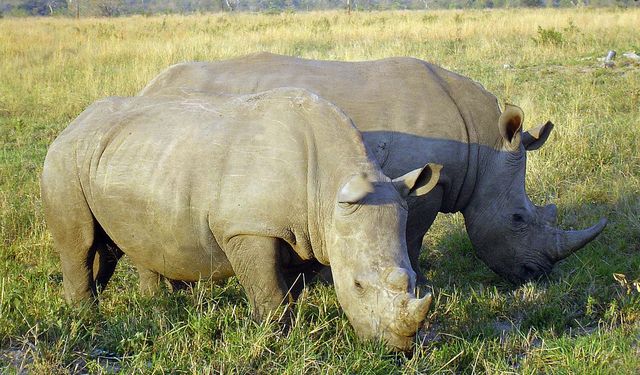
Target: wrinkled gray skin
[(412, 113), (261, 186)]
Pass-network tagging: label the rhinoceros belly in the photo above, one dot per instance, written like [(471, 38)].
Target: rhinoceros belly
[(175, 242)]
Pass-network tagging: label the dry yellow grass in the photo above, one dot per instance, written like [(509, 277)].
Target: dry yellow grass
[(580, 321), (82, 60)]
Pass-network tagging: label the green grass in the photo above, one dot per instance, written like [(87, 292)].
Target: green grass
[(580, 320)]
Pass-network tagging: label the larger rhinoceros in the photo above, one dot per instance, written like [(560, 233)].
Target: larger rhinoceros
[(411, 113), (257, 186)]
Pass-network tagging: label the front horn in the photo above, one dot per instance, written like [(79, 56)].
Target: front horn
[(419, 307), (570, 241)]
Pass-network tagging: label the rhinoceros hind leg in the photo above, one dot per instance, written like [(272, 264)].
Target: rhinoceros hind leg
[(106, 258), (77, 269), (73, 229), (73, 238), (151, 282), (255, 261)]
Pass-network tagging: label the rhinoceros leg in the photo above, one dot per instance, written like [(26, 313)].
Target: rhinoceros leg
[(177, 285), (298, 276), (149, 281), (105, 261), (297, 272), (422, 213), (255, 261), (73, 230)]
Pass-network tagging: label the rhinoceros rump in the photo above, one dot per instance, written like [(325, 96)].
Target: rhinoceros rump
[(411, 113), (261, 186)]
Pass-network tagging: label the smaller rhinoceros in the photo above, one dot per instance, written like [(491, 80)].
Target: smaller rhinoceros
[(258, 186)]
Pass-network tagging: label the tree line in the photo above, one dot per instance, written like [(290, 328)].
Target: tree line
[(111, 8)]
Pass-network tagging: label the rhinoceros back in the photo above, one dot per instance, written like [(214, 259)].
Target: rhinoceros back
[(401, 94), (411, 112)]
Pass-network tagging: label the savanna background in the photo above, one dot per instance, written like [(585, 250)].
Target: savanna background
[(581, 319)]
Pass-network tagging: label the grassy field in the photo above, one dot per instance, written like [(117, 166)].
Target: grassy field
[(581, 320)]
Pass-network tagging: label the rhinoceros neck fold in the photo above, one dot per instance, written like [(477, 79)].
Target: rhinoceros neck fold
[(450, 82), (336, 152), (467, 184), (479, 112)]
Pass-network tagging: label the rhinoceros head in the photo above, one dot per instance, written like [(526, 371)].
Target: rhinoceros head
[(515, 238), (367, 248)]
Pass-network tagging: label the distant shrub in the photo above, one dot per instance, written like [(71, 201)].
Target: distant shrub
[(272, 11), (428, 18), (321, 25), (108, 8), (555, 37), (549, 36), (533, 3)]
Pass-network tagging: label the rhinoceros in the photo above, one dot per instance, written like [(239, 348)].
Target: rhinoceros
[(411, 112), (261, 186)]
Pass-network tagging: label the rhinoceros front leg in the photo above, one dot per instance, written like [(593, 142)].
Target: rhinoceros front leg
[(255, 261), (422, 213), (298, 276)]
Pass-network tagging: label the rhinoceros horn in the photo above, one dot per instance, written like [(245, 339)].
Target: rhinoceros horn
[(398, 279), (567, 242), (419, 307), (416, 312)]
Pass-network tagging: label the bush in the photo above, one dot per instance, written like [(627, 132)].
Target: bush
[(549, 36), (533, 3)]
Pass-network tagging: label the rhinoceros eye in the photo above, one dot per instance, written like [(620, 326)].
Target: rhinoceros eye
[(349, 208), (519, 222), (520, 219), (359, 287)]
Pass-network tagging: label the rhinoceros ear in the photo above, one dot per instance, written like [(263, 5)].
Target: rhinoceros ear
[(355, 189), (510, 125), (419, 181), (534, 138)]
